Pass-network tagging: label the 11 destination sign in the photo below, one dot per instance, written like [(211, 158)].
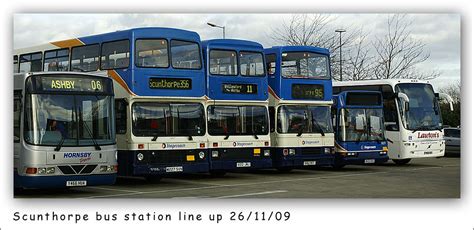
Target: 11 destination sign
[(239, 88)]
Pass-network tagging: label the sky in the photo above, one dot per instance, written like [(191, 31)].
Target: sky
[(440, 32)]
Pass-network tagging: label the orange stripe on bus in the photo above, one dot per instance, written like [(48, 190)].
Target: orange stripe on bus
[(68, 43), (114, 75), (273, 93)]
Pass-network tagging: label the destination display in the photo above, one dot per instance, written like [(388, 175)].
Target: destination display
[(307, 91), (354, 98), (170, 83), (239, 88), (83, 84)]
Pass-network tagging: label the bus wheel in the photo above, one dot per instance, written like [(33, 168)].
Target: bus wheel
[(401, 161), (153, 179), (284, 169), (217, 173)]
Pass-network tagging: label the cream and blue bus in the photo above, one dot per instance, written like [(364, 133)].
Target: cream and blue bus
[(300, 87), (237, 105)]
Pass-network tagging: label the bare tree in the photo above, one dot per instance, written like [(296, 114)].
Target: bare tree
[(453, 90), (398, 53), (359, 63), (315, 30)]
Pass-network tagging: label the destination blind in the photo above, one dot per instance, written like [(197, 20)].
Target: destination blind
[(57, 83), (239, 88), (170, 83), (307, 91)]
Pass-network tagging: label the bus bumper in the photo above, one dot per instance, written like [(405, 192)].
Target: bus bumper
[(224, 159), (362, 158), (169, 169), (51, 182), (309, 157)]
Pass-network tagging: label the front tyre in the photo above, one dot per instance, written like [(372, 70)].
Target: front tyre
[(401, 161), (284, 169), (217, 173)]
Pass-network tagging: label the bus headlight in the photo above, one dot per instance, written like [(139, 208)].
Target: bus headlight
[(50, 170), (266, 152), (108, 168), (41, 170), (327, 150), (351, 154), (201, 155), (292, 151), (140, 156), (215, 153)]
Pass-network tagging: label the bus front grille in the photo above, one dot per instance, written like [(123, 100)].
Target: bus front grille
[(76, 169)]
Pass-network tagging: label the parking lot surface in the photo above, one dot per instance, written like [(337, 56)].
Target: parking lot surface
[(421, 178)]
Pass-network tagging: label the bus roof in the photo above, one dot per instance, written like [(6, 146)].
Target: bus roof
[(282, 49), (391, 82), (157, 32), (243, 44)]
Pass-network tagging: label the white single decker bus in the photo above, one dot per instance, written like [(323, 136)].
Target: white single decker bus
[(413, 123)]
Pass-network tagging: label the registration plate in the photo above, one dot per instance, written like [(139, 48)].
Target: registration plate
[(76, 183), (243, 164), (174, 169), (308, 163), (428, 153), (369, 161)]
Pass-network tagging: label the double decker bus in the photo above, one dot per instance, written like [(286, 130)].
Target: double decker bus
[(159, 83), (63, 130), (237, 108), (300, 106), (412, 116), (359, 128)]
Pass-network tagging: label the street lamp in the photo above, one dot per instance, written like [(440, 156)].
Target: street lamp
[(222, 27), (340, 31)]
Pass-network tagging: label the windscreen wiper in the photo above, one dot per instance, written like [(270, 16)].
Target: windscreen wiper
[(60, 144), (321, 131), (227, 136), (155, 137), (421, 128), (300, 132), (96, 145)]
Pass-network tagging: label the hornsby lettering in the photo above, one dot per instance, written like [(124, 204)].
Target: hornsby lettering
[(76, 155), (428, 135), (62, 84)]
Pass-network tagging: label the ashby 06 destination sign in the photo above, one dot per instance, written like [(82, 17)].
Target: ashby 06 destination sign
[(57, 83), (170, 83)]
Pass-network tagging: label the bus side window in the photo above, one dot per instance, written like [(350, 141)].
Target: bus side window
[(16, 117), (271, 111), (56, 60), (121, 116), (271, 63), (15, 64), (31, 62), (85, 58)]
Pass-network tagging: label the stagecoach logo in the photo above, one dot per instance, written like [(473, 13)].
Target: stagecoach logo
[(173, 146), (242, 144), (428, 135), (367, 147), (310, 142)]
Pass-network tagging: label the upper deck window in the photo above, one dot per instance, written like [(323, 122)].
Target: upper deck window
[(304, 65), (31, 62), (185, 55), (56, 60), (271, 64), (152, 53), (85, 58), (251, 64), (223, 62), (115, 55)]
